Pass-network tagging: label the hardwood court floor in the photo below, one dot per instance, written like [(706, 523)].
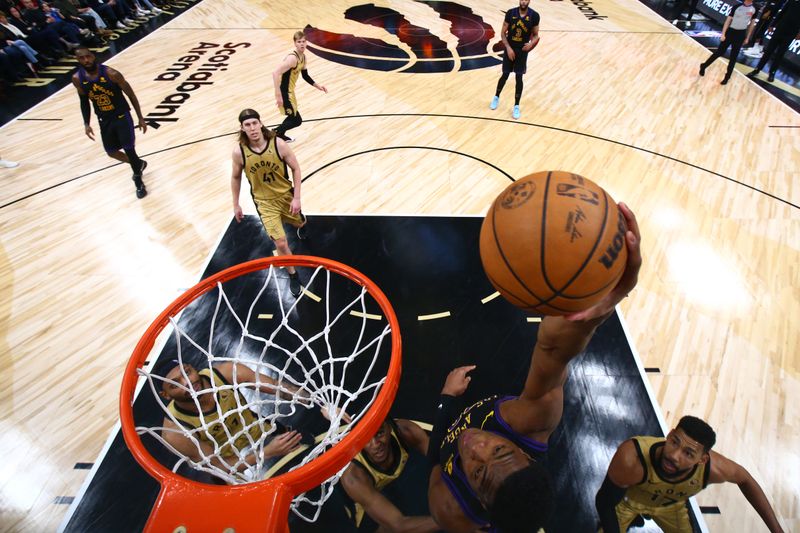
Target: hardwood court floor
[(605, 396), (710, 170)]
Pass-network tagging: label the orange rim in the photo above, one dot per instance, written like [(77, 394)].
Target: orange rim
[(275, 494)]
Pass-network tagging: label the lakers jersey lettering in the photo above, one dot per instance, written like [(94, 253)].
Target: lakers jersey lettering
[(656, 491), (101, 97), (520, 26), (464, 422), (266, 171), (234, 425), (106, 96)]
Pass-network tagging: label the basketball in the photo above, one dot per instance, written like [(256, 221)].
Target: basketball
[(553, 243)]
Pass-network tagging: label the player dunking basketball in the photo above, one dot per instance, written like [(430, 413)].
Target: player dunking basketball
[(264, 158), (488, 458), (284, 78), (105, 86), (520, 34)]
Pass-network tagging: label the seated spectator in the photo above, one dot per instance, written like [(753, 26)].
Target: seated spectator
[(83, 8), (69, 11), (19, 51), (69, 33), (104, 11), (122, 12), (46, 44)]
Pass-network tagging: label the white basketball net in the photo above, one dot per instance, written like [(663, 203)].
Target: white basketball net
[(340, 383)]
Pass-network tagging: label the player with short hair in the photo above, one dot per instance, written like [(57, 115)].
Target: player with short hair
[(520, 34), (284, 79), (218, 410), (264, 157), (393, 459), (488, 459), (656, 476), (106, 88)]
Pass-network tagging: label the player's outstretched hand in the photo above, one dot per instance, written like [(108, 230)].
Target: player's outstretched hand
[(457, 380), (322, 88), (282, 444), (629, 278)]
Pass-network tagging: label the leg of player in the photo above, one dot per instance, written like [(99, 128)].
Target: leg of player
[(137, 165), (291, 121), (500, 84), (282, 245), (517, 95)]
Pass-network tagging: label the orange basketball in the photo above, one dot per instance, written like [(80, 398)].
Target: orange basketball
[(553, 243)]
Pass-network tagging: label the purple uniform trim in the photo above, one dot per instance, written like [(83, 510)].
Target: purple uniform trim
[(458, 485)]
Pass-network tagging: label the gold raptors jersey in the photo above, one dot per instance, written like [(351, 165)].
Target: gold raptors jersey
[(266, 171), (657, 492), (381, 478), (236, 422), (289, 80)]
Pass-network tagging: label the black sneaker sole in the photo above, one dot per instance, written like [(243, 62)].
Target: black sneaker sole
[(292, 280)]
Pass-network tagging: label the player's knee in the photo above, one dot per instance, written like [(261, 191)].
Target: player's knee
[(282, 245)]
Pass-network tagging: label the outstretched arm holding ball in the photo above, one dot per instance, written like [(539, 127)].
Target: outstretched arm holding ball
[(538, 410), (629, 278), (489, 471)]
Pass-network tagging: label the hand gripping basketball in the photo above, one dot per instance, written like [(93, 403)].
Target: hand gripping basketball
[(629, 278), (553, 243)]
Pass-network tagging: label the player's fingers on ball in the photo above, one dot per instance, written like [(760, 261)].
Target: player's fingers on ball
[(630, 219)]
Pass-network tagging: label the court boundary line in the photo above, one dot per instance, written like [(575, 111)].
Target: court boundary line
[(117, 428), (440, 115)]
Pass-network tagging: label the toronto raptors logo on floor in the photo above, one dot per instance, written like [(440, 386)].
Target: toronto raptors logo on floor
[(423, 51)]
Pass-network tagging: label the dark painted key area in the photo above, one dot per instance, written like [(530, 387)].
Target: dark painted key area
[(427, 265)]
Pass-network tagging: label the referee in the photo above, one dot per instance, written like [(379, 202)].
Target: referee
[(737, 30)]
